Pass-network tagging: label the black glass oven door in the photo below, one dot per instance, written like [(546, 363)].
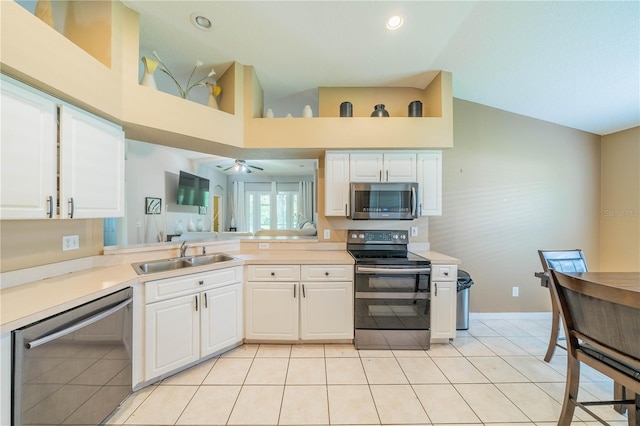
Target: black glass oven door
[(390, 280), (392, 314)]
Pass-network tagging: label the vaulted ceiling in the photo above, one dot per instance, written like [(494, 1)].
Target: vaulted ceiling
[(573, 63)]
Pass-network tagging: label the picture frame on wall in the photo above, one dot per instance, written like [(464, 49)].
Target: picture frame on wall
[(153, 205)]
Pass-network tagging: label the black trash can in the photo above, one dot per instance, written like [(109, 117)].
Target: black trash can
[(462, 308)]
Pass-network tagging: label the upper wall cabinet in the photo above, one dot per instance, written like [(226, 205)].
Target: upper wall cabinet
[(90, 180), (28, 153), (382, 167), (342, 167)]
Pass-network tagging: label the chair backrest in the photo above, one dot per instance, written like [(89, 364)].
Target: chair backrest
[(563, 260), (608, 326)]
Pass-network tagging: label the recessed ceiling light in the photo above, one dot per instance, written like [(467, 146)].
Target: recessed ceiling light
[(395, 22), (201, 22)]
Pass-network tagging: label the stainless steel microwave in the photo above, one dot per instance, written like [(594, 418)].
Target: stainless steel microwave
[(384, 200)]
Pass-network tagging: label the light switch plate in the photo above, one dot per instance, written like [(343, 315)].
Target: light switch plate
[(263, 246), (414, 231), (327, 234)]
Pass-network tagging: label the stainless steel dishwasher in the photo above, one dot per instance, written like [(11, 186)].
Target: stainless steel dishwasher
[(74, 367)]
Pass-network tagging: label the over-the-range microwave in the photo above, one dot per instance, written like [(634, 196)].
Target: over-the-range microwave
[(384, 200)]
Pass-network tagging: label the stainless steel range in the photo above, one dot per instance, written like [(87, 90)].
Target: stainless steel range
[(392, 301)]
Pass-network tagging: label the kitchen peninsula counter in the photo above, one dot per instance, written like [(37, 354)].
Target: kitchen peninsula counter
[(35, 300)]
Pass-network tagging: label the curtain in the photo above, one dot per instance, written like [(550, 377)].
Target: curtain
[(238, 207), (306, 200)]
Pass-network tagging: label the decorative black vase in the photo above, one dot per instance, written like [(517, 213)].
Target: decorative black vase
[(346, 109), (379, 111), (415, 109)]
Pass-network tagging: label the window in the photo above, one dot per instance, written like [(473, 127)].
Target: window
[(273, 205)]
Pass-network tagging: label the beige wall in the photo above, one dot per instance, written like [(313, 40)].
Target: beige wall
[(28, 243), (513, 185), (620, 213)]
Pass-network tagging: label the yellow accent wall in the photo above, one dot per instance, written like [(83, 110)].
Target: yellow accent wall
[(620, 210)]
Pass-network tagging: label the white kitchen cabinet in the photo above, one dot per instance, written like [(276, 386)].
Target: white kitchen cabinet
[(221, 314), (444, 279), (382, 167), (5, 378), (312, 302), (190, 317), (91, 166), (78, 165), (172, 335), (430, 183), (271, 311), (29, 135), (336, 184)]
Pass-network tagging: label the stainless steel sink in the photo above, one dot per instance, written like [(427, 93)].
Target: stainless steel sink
[(207, 259), (175, 263)]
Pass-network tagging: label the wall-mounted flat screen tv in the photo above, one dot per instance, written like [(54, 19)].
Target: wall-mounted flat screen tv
[(192, 190)]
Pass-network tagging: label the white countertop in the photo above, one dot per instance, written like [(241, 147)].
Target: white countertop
[(24, 304)]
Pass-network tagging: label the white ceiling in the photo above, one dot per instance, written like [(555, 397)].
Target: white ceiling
[(573, 63)]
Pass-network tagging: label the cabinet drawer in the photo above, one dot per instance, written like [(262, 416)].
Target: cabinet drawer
[(273, 272), (444, 273), (173, 287), (327, 273)]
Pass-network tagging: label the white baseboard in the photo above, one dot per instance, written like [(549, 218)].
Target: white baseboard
[(509, 315)]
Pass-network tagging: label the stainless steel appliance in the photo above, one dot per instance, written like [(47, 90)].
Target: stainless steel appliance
[(75, 367), (392, 300), (384, 200)]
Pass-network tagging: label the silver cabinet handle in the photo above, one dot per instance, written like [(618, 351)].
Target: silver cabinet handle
[(72, 206), (196, 297), (420, 209), (206, 302), (379, 175), (346, 210), (304, 293), (414, 201), (387, 176), (273, 274), (435, 285), (201, 282), (77, 326), (50, 202)]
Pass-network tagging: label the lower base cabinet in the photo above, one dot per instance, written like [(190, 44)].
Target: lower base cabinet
[(197, 315), (284, 307), (444, 285)]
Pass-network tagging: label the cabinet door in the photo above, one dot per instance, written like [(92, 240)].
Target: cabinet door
[(366, 167), (430, 182), (221, 318), (336, 184), (91, 166), (326, 310), (271, 310), (29, 156), (443, 310), (400, 167), (172, 334)]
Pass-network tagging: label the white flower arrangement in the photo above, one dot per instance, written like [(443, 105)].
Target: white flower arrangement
[(184, 92)]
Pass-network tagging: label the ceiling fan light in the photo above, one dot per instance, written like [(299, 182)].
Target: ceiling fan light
[(395, 22)]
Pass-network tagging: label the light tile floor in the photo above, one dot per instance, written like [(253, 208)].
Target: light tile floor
[(493, 373)]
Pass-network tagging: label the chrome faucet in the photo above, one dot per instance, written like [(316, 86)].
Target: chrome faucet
[(183, 249)]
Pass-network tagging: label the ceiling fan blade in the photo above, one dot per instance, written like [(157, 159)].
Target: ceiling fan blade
[(255, 167), (230, 167)]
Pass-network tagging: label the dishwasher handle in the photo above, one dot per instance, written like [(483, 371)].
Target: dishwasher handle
[(77, 326)]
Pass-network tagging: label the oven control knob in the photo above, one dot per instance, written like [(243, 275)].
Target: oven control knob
[(354, 236), (361, 236), (403, 237)]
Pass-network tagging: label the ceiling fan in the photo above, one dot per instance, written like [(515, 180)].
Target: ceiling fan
[(241, 166)]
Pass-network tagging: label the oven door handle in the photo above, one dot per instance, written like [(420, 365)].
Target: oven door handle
[(392, 271), (78, 325), (391, 296)]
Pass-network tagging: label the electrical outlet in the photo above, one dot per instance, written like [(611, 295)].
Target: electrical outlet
[(70, 242), (327, 234), (263, 246), (515, 291), (414, 231)]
